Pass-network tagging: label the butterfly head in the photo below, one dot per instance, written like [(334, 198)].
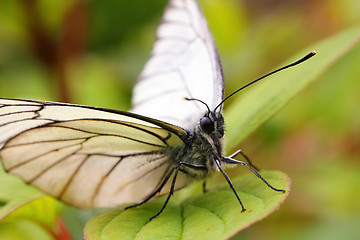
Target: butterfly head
[(213, 123)]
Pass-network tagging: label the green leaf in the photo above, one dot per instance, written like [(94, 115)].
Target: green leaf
[(254, 106), (215, 214), (14, 193), (44, 211), (21, 201), (23, 230)]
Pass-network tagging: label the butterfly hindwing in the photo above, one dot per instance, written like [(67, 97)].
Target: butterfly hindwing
[(184, 63), (85, 156)]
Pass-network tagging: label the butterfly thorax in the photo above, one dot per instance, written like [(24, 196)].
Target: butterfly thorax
[(203, 146)]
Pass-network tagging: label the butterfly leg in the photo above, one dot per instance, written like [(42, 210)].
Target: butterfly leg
[(177, 169), (155, 192), (204, 186), (245, 157), (169, 195), (230, 184), (233, 161)]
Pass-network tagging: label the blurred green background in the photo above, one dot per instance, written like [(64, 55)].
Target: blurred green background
[(91, 52)]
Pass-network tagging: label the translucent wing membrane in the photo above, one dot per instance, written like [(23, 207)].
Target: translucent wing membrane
[(85, 156), (98, 157), (184, 63)]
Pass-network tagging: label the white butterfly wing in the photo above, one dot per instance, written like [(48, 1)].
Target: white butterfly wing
[(89, 156), (184, 63), (85, 156)]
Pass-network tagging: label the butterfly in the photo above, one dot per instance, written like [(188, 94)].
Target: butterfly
[(96, 157)]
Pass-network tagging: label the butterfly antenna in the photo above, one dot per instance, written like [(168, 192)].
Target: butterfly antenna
[(266, 75), (195, 99)]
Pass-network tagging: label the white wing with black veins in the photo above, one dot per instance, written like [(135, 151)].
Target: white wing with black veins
[(94, 157), (184, 63), (86, 156)]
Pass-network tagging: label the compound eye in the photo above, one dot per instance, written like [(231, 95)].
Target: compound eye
[(207, 125)]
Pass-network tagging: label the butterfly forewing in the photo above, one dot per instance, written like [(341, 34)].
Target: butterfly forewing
[(184, 63), (85, 156), (89, 156)]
